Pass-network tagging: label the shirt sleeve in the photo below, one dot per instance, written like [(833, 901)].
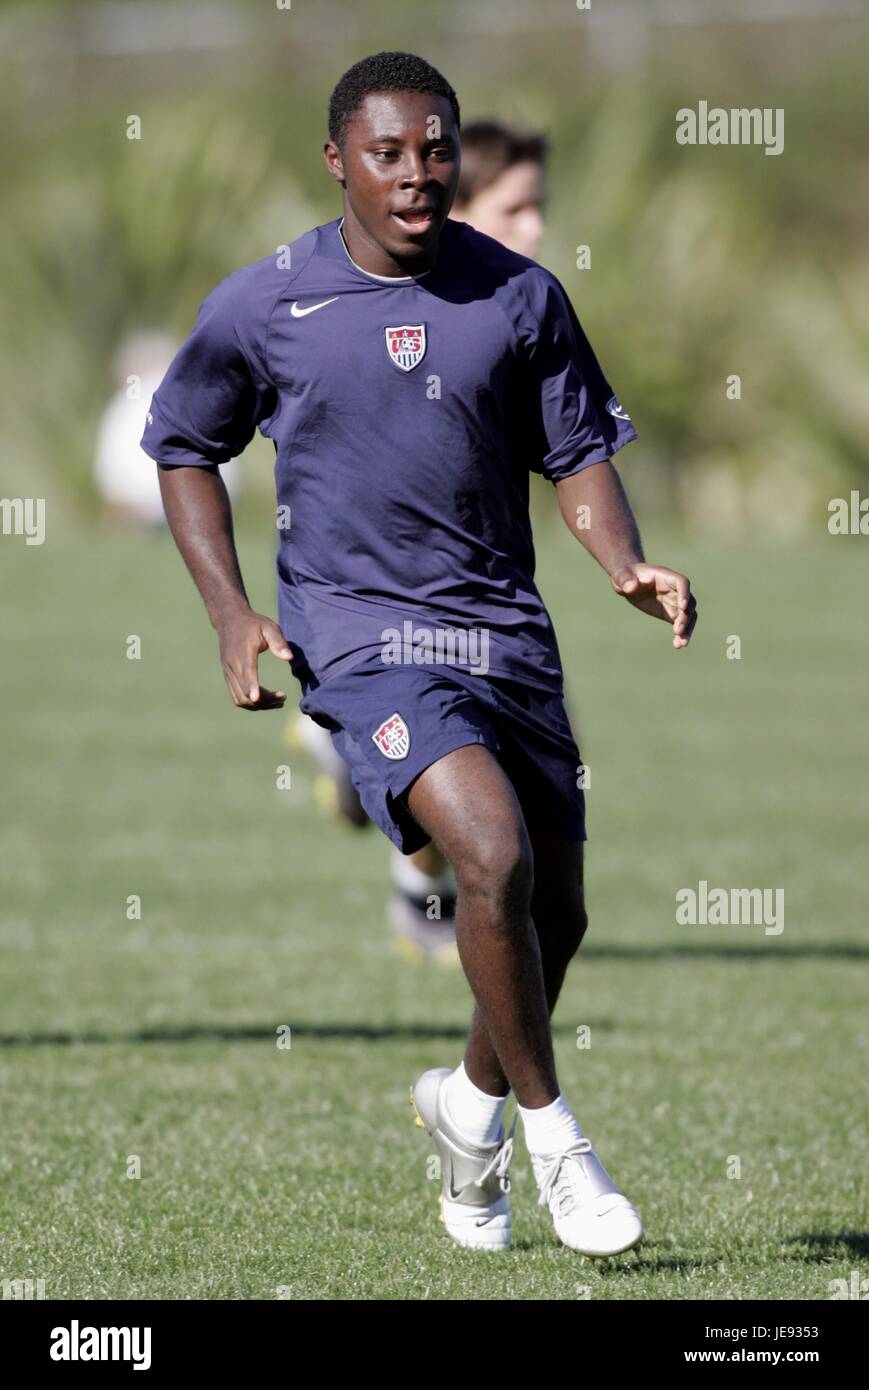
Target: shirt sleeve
[(581, 421), (209, 403)]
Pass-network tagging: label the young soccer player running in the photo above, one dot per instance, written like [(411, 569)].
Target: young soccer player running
[(410, 371), (501, 191)]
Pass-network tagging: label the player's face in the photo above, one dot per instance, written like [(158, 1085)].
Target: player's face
[(511, 208), (400, 167)]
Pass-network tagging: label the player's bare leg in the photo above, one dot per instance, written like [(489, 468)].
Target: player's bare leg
[(516, 970), (466, 803), (560, 921), (468, 806)]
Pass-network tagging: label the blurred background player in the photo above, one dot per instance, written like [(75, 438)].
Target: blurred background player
[(123, 473), (502, 184), (502, 192)]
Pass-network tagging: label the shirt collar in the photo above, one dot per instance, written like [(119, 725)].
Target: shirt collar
[(381, 279)]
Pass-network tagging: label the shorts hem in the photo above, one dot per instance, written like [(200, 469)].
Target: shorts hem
[(411, 836)]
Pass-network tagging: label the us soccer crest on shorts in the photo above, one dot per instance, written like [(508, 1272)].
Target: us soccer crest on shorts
[(393, 738), (406, 345)]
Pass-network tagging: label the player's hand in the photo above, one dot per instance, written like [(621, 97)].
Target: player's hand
[(243, 636), (662, 593)]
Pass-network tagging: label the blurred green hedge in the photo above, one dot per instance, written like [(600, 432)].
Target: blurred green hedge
[(705, 261)]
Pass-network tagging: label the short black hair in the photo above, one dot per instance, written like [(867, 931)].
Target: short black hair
[(384, 72)]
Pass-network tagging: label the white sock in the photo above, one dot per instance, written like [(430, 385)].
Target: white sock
[(477, 1116), (550, 1129)]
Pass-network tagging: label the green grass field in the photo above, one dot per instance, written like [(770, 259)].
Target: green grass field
[(297, 1172)]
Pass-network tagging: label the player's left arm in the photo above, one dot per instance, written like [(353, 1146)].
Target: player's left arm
[(596, 509)]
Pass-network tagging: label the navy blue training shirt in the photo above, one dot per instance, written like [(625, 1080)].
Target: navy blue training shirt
[(406, 415)]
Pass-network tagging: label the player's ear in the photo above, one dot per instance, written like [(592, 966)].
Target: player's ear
[(334, 162)]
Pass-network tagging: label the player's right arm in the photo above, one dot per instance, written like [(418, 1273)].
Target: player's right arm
[(205, 411), (584, 425), (200, 517)]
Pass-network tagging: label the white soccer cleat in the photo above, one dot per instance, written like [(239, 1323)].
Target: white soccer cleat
[(589, 1212), (475, 1182)]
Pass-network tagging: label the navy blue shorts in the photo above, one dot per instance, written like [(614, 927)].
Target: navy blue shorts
[(390, 723)]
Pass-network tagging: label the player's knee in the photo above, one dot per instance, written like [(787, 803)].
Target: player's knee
[(561, 922), (581, 922), (579, 926), (499, 868), (570, 928)]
